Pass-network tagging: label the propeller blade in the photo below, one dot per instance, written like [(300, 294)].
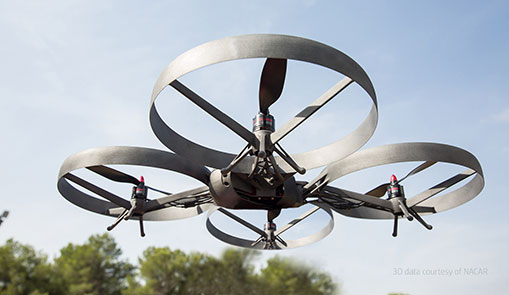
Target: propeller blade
[(113, 174), (418, 169), (99, 191), (378, 191), (271, 82)]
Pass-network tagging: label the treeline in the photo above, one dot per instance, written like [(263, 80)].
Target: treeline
[(97, 268)]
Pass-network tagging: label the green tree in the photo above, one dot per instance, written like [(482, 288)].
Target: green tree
[(236, 272), (285, 276), (167, 272), (25, 271), (93, 268), (175, 272), (163, 270)]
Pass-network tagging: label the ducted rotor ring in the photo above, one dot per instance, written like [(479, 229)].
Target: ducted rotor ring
[(123, 155), (236, 241), (408, 152), (263, 46)]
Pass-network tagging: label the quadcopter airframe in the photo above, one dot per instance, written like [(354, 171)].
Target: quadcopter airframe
[(263, 176)]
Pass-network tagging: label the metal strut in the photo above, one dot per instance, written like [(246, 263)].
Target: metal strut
[(402, 208)]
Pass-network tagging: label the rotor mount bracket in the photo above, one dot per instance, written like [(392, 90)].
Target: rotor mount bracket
[(264, 148)]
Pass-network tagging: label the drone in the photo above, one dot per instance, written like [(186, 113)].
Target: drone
[(263, 176)]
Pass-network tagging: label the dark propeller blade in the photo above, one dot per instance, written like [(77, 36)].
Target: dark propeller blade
[(118, 176), (113, 174), (271, 82), (380, 190), (418, 169)]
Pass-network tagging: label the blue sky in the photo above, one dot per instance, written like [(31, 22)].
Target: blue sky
[(79, 74)]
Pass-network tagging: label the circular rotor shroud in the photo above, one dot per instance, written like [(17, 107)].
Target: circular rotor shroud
[(409, 152), (138, 156), (263, 46), (241, 242)]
